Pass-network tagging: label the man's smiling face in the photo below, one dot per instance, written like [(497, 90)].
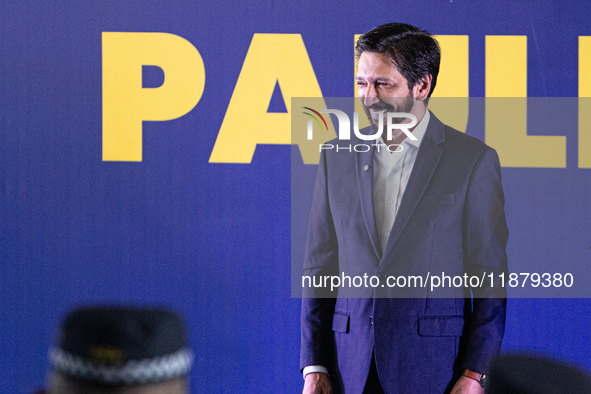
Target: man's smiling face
[(382, 88)]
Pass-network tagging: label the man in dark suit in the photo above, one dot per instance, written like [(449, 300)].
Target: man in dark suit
[(427, 202)]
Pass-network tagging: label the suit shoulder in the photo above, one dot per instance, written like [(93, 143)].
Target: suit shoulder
[(464, 142)]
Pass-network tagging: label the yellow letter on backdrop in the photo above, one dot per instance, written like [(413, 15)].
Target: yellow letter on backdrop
[(506, 108), (126, 104), (450, 101), (271, 58), (584, 102)]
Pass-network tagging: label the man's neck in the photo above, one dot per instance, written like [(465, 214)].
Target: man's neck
[(418, 110)]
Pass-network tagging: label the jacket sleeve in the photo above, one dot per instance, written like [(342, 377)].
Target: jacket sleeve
[(485, 237), (321, 259)]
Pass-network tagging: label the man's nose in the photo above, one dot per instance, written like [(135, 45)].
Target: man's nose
[(370, 95)]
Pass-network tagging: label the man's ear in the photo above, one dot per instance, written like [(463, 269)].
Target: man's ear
[(422, 88)]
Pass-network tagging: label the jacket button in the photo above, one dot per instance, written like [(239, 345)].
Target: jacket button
[(371, 320)]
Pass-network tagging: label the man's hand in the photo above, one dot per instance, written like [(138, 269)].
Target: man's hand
[(466, 385), (317, 383)]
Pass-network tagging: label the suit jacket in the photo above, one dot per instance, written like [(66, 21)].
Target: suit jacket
[(451, 221)]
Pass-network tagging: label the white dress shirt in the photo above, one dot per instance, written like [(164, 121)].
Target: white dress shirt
[(391, 171)]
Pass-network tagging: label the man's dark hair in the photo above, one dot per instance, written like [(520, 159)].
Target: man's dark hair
[(414, 52)]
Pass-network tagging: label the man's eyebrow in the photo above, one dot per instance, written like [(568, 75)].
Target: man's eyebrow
[(378, 79)]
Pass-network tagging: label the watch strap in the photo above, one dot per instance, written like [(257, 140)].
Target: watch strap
[(480, 378)]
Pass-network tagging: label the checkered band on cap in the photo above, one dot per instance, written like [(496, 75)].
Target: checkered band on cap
[(122, 345), (133, 372)]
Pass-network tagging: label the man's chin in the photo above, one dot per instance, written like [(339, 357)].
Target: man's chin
[(375, 125), (374, 122)]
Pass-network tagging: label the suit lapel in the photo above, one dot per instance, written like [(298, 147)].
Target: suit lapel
[(365, 183), (423, 169)]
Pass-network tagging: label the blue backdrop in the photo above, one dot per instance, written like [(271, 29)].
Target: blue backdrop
[(212, 240)]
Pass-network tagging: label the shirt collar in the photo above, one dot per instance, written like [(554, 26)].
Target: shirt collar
[(419, 131)]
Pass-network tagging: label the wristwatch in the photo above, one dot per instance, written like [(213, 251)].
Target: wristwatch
[(480, 378)]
